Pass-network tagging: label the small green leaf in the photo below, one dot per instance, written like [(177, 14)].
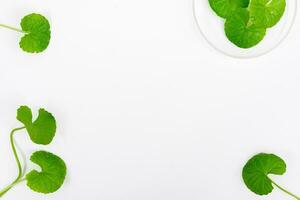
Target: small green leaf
[(52, 174), (24, 115), (42, 130), (257, 169), (266, 13), (225, 8), (241, 31), (38, 34)]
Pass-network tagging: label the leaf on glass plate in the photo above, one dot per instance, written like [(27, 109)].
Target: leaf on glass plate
[(266, 13), (241, 31), (225, 8)]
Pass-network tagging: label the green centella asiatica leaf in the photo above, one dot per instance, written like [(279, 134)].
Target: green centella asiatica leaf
[(225, 8), (241, 31), (248, 20), (266, 13), (37, 33), (52, 174), (256, 171), (42, 130)]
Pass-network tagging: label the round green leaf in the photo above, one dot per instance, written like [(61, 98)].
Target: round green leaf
[(257, 169), (38, 34), (241, 31), (42, 130), (225, 8), (52, 174), (266, 13)]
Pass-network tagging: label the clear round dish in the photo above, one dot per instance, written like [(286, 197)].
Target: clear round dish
[(211, 28)]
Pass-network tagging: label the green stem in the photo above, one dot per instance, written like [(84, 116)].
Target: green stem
[(12, 28), (7, 188), (285, 191), (12, 143), (20, 171)]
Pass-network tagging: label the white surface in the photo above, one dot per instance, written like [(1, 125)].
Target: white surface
[(146, 109)]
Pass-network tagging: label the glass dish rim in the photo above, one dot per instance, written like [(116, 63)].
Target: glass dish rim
[(243, 57)]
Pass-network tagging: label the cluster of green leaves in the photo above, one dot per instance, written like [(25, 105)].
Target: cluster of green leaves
[(248, 20), (257, 170), (41, 131), (36, 33)]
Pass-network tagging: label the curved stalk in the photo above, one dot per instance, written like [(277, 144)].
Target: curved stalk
[(12, 143), (7, 188), (20, 171), (285, 191)]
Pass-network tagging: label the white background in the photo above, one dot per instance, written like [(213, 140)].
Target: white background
[(146, 110)]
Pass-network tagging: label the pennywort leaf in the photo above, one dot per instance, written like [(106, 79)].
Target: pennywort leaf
[(266, 13), (240, 31), (53, 169), (225, 8), (42, 130), (257, 170), (24, 115), (52, 174), (246, 21), (36, 33)]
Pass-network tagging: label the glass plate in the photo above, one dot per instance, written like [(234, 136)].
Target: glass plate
[(212, 29)]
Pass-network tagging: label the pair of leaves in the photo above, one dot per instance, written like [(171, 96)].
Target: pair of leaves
[(247, 21), (53, 169)]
